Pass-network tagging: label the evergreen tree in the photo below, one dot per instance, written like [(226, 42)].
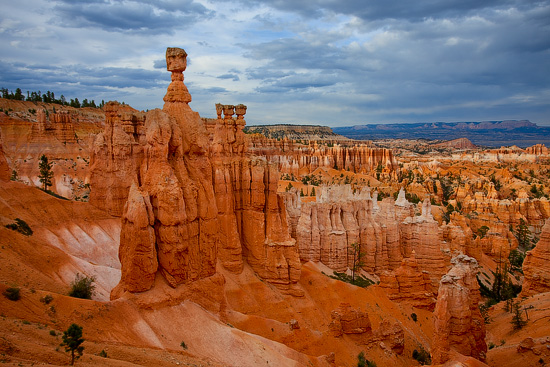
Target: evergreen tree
[(46, 173), (517, 320), (72, 340), (358, 260), (523, 234)]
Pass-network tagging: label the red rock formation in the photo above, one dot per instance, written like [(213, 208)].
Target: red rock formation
[(5, 172), (139, 255), (346, 320), (58, 124), (293, 157), (116, 156), (459, 325), (208, 199), (423, 235), (535, 266), (327, 229), (409, 284), (538, 149), (392, 336)]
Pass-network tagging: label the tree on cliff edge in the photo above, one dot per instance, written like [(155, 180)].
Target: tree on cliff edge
[(46, 173)]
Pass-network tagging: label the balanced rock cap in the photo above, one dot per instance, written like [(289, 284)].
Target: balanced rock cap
[(176, 59)]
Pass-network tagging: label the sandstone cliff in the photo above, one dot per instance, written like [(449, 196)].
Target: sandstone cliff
[(536, 266), (459, 325), (5, 171), (295, 158), (192, 196)]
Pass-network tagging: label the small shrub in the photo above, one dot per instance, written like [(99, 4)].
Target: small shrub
[(12, 294), (82, 287), (103, 354), (491, 345), (20, 226), (422, 356), (183, 345), (53, 333), (363, 362), (46, 299), (414, 317)]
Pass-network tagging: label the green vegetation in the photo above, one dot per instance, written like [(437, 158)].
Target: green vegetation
[(359, 280), (518, 321), (12, 294), (46, 299), (523, 235), (363, 362), (103, 354), (82, 287), (414, 317), (482, 231), (20, 226), (46, 173), (422, 356), (183, 345), (358, 259), (48, 97), (72, 340)]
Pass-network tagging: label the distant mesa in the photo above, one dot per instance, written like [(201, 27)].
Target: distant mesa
[(295, 132), (522, 133)]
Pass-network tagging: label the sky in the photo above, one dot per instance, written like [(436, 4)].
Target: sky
[(328, 62)]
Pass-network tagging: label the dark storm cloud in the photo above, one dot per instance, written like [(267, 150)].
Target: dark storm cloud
[(35, 77), (131, 15), (389, 9)]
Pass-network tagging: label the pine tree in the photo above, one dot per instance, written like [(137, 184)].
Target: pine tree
[(517, 320), (358, 261), (46, 173), (72, 340)]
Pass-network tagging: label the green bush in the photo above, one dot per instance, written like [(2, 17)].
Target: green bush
[(20, 226), (46, 299), (414, 317), (103, 354), (12, 294), (183, 345), (422, 356), (363, 362), (82, 287), (53, 333)]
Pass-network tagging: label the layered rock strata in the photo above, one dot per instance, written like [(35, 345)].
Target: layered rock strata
[(459, 325), (194, 196), (295, 158), (536, 266), (409, 284), (116, 157), (346, 320)]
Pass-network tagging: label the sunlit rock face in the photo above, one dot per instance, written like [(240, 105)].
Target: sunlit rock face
[(190, 194), (458, 322), (536, 266)]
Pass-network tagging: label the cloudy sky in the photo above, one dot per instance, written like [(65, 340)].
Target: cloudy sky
[(330, 62)]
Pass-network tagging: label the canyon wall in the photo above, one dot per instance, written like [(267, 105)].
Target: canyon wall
[(536, 266), (296, 158)]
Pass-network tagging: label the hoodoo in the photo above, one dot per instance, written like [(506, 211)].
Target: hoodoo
[(189, 195)]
